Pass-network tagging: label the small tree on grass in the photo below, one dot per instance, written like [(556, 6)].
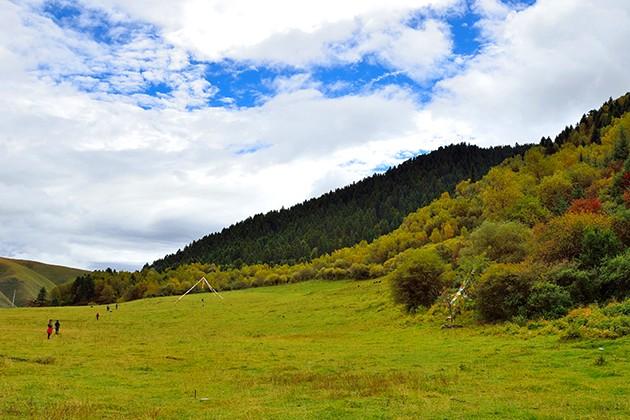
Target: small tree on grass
[(418, 280)]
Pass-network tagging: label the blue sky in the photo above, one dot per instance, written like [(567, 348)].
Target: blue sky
[(246, 83), (131, 128)]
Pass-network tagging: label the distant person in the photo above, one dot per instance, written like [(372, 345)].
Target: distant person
[(57, 325), (107, 308), (49, 330), (97, 316), (116, 306)]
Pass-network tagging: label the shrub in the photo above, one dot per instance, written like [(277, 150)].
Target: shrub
[(615, 277), (617, 309), (597, 245), (621, 226), (549, 301), (583, 286), (586, 205), (418, 280), (573, 332), (376, 270), (555, 193), (529, 211), (503, 291), (333, 273), (501, 242), (359, 271)]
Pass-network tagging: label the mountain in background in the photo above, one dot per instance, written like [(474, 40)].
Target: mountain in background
[(361, 211), (26, 278)]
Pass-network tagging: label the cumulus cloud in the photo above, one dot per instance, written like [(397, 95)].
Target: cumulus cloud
[(541, 68), (302, 34)]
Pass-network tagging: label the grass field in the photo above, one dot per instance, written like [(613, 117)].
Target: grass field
[(310, 350)]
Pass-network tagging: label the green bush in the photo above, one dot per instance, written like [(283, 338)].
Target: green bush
[(549, 301), (502, 242), (573, 332), (583, 286), (597, 245), (617, 309), (503, 291), (615, 277), (333, 273), (418, 280), (359, 271)]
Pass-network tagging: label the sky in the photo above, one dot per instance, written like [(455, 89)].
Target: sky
[(130, 128)]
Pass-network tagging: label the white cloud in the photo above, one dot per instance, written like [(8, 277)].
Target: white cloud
[(542, 67), (302, 34), (72, 57)]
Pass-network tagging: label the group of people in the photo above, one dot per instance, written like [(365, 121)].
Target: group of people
[(57, 324), (108, 310), (49, 330)]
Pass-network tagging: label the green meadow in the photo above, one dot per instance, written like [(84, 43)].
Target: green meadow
[(308, 350)]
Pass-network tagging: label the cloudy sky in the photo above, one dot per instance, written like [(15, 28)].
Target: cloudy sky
[(129, 128)]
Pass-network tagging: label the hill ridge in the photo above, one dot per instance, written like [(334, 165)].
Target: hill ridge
[(27, 277)]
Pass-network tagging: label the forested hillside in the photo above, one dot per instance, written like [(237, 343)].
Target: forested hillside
[(361, 211), (538, 235)]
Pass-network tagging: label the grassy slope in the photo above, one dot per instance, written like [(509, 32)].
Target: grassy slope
[(28, 277), (308, 350), (5, 302)]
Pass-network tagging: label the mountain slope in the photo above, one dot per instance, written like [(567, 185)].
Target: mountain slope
[(26, 278), (4, 301), (340, 218)]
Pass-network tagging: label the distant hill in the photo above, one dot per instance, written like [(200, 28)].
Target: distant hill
[(26, 278), (344, 217)]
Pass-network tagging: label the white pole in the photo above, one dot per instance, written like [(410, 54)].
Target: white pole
[(212, 288), (188, 291)]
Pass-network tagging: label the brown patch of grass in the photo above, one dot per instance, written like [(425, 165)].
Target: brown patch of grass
[(364, 384), (69, 409), (48, 360)]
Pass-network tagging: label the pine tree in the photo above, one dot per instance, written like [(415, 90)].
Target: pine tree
[(621, 146), (41, 297), (596, 137)]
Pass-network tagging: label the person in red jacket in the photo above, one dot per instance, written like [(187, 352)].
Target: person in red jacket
[(49, 330)]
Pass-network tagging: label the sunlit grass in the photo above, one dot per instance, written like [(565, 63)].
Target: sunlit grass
[(309, 350)]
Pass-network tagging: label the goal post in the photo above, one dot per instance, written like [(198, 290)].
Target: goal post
[(203, 281)]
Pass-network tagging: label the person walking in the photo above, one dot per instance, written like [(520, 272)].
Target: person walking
[(57, 325), (49, 330), (97, 316)]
